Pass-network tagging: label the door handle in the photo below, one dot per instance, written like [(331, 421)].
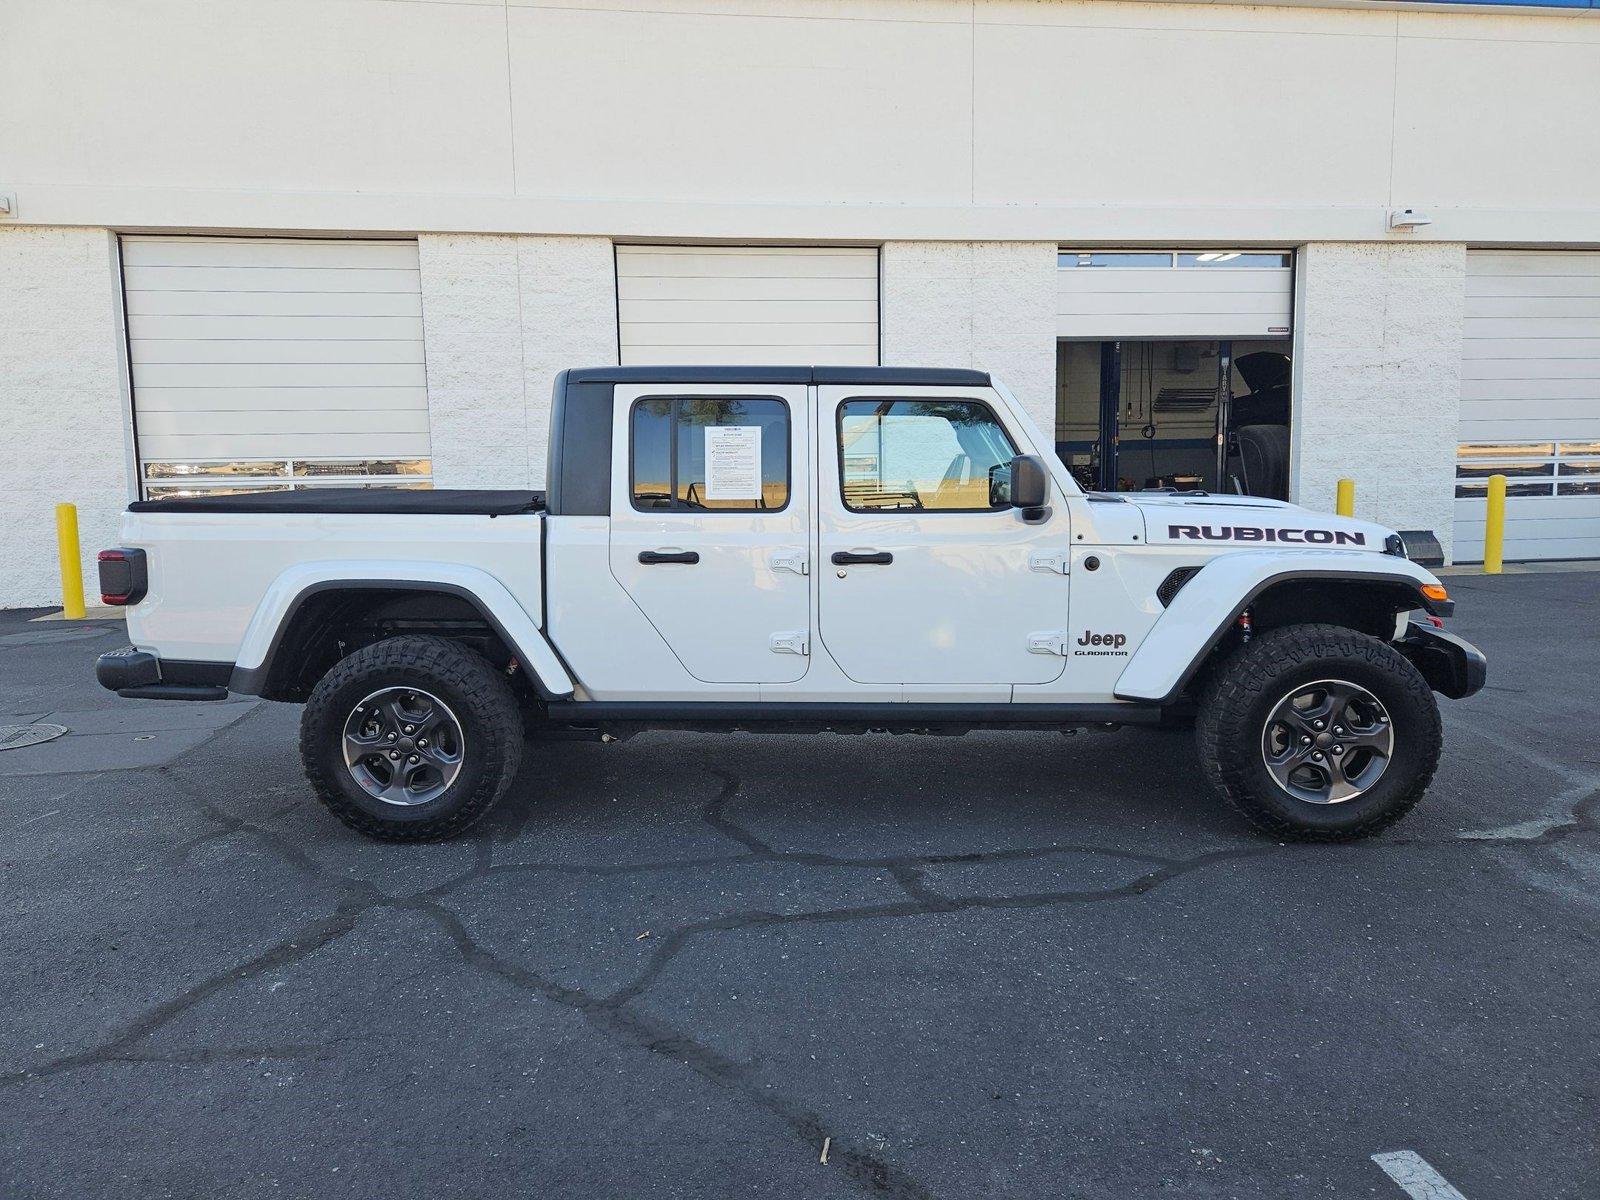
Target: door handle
[(669, 556), (844, 558)]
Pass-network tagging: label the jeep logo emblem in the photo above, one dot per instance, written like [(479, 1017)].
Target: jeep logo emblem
[(1115, 640), (1102, 645), (1252, 533)]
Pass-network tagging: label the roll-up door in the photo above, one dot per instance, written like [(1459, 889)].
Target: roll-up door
[(1530, 402), (272, 363), (748, 304), (1103, 295)]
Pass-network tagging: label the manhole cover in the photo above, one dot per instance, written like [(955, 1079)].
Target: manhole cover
[(15, 737)]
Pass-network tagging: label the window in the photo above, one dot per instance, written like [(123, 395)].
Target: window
[(1163, 259), (919, 455), (1530, 468), (710, 454), (235, 477), (1232, 258), (1121, 258)]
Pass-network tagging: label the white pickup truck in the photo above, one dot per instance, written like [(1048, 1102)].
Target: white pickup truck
[(803, 549)]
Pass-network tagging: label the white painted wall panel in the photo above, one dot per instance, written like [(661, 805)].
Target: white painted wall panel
[(803, 120), (504, 315), (62, 403), (747, 304), (1530, 374), (221, 370), (988, 305), (1377, 383), (1179, 302)]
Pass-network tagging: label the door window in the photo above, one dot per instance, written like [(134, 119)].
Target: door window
[(710, 454), (919, 455)]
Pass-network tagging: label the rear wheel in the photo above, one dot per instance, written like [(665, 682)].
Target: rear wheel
[(411, 739), (1319, 733)]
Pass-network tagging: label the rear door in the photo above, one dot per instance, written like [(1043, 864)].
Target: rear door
[(710, 524), (920, 579)]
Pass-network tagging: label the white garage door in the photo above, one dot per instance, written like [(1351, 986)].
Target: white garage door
[(272, 363), (772, 305), (1530, 402), (1103, 295)]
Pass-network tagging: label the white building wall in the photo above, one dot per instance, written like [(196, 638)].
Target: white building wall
[(62, 403), (1377, 380), (856, 120), (501, 316), (989, 305)]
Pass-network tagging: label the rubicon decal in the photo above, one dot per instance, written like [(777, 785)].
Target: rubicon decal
[(1253, 533)]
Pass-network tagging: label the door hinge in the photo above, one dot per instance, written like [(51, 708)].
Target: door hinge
[(1051, 641), (791, 641), (1050, 560), (791, 560)]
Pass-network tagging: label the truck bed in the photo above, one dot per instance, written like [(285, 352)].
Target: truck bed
[(435, 502)]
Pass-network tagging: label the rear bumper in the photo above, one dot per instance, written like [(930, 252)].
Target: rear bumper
[(1452, 666), (141, 675)]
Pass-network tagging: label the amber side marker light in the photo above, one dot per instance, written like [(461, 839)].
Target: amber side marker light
[(1435, 591)]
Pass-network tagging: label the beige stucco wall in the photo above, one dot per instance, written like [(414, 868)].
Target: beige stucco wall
[(61, 403), (1377, 379), (501, 316), (989, 305)]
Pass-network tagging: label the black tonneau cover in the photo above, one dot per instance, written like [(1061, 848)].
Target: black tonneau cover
[(448, 501)]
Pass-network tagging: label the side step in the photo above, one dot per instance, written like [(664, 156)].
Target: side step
[(174, 691)]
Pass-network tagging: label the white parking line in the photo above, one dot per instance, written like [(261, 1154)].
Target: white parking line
[(1413, 1173)]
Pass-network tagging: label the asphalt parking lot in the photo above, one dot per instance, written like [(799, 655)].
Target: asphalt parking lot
[(1006, 965)]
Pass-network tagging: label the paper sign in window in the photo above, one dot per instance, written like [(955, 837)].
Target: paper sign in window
[(733, 462)]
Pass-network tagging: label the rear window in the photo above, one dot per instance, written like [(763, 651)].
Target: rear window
[(710, 454)]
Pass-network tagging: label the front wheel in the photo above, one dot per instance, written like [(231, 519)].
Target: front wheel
[(1319, 733), (411, 739)]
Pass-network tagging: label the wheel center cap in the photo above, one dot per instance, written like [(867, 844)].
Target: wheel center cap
[(406, 745), (1324, 739)]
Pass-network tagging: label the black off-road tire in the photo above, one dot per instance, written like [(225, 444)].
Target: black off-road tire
[(1243, 691), (477, 695)]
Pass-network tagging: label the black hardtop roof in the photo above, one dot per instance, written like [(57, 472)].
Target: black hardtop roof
[(907, 376)]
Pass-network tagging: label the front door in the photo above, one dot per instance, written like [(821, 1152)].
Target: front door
[(921, 579), (711, 522)]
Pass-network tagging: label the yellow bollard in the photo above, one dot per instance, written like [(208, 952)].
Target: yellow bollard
[(71, 562), (1494, 526), (1345, 505)]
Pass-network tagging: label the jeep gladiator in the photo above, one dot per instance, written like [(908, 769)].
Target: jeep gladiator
[(804, 549)]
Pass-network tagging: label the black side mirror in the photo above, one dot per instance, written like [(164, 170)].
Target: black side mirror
[(1021, 483)]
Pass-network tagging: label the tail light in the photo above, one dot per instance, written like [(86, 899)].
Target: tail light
[(123, 578)]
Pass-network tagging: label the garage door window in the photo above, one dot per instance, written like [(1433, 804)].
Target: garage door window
[(1530, 468), (710, 454)]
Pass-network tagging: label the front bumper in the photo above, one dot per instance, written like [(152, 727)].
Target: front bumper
[(141, 675), (1452, 666)]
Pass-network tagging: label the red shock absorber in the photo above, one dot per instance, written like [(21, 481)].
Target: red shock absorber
[(1245, 626)]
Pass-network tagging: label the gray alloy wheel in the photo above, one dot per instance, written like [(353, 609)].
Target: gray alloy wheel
[(1327, 742), (403, 746)]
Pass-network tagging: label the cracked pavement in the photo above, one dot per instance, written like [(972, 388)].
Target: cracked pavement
[(1010, 964)]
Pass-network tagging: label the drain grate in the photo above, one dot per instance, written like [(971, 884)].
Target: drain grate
[(15, 737)]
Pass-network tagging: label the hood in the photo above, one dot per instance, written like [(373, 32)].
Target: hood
[(1263, 370), (1242, 522)]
